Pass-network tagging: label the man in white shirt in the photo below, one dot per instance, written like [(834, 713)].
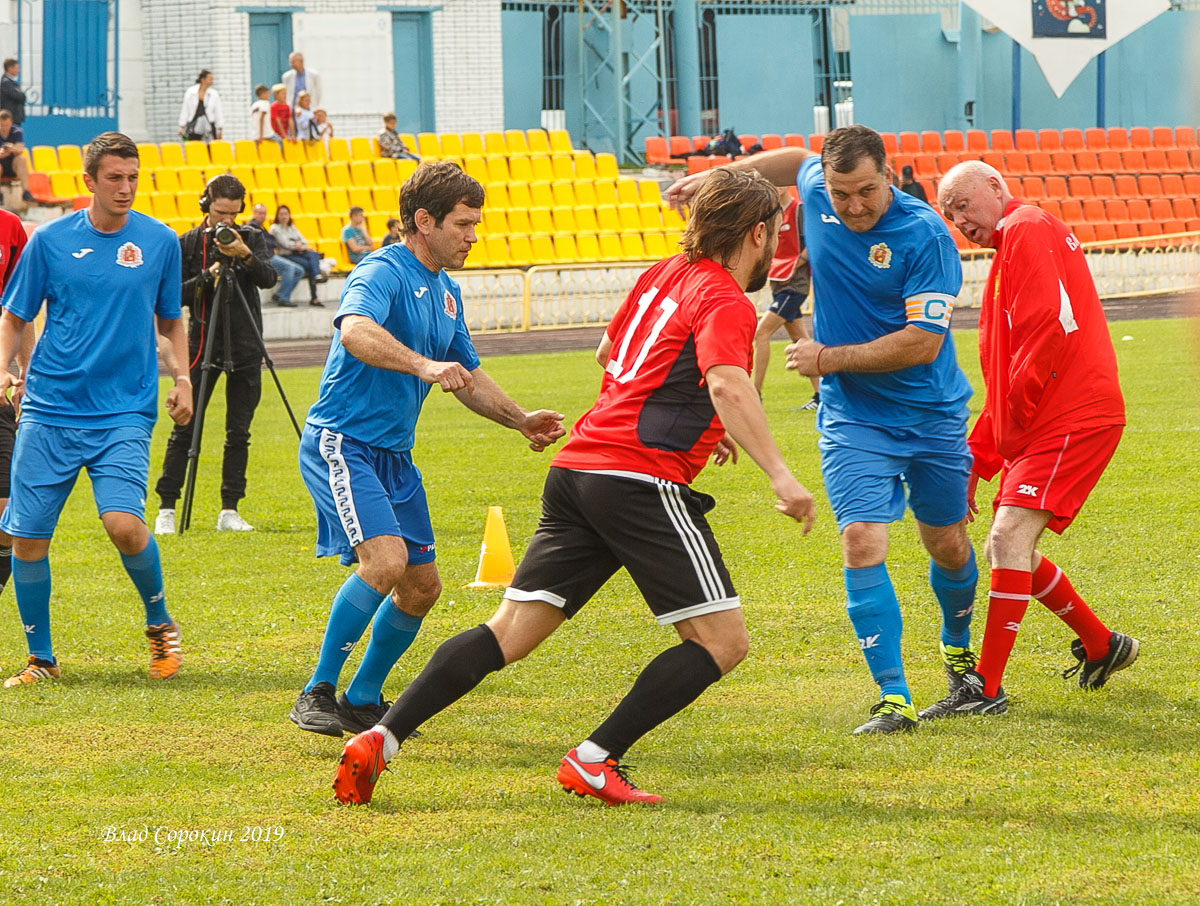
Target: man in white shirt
[(299, 79)]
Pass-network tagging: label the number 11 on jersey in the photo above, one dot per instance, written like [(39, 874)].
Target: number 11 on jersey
[(666, 308)]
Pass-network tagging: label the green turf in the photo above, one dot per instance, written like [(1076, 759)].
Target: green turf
[(1071, 798)]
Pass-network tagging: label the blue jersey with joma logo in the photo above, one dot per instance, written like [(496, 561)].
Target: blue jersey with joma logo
[(905, 270), (421, 309)]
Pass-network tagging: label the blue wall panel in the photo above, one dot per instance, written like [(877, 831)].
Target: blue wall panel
[(904, 73), (521, 42), (75, 42), (765, 73)]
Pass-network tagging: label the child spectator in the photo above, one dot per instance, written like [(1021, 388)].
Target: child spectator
[(281, 115), (304, 117), (393, 233), (355, 237), (322, 128), (260, 116), (390, 142)]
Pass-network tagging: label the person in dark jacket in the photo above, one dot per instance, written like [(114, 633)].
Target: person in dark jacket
[(12, 98)]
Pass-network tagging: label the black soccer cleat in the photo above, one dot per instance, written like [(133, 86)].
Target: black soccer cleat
[(360, 718), (891, 714), (956, 662), (317, 712), (966, 700), (1122, 652)]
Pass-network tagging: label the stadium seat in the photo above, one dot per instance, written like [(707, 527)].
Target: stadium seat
[(1072, 139), (1095, 139), (164, 206), (1125, 185), (360, 196), (294, 153), (1016, 163), (537, 140), (748, 141), (337, 200), (697, 164), (1102, 186), (493, 143), (650, 215), (289, 198), (191, 180), (428, 146), (383, 198), (1079, 186), (1105, 232), (1040, 163), (1002, 140), (562, 166), (627, 191), (794, 140), (1139, 137), (1185, 137), (1087, 162), (1109, 161), (606, 191), (1051, 206), (1032, 189), (564, 192), (1084, 232), (1133, 160), (585, 192), (268, 153), (1117, 138), (1173, 226), (1156, 160), (1160, 209), (313, 176), (289, 176), (312, 201), (1049, 140), (1071, 209), (891, 144), (497, 168), (520, 169), (977, 140), (648, 191), (816, 141), (266, 198), (1184, 208), (1092, 211), (954, 141), (540, 221), (221, 153), (541, 194), (584, 163), (680, 147), (610, 247), (331, 225), (672, 221), (606, 166), (655, 245), (360, 148), (560, 140), (944, 161), (657, 150), (515, 141), (1025, 140), (1194, 158), (910, 143), (931, 142), (1177, 160), (771, 142), (588, 247), (993, 159), (362, 172), (1056, 187), (1172, 185), (62, 184), (1126, 230), (477, 168), (1139, 209), (195, 154), (451, 143), (1149, 186)]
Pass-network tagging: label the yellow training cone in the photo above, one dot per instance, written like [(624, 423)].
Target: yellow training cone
[(495, 556)]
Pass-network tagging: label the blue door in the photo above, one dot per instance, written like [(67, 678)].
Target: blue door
[(412, 61), (270, 44)]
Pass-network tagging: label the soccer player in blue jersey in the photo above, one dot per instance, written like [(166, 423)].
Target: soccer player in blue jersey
[(109, 278), (893, 411), (400, 331)]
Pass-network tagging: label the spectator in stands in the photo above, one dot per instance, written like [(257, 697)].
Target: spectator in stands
[(260, 117), (303, 116), (200, 117), (390, 142), (322, 128), (288, 270), (12, 98), (291, 244), (281, 115), (910, 186), (12, 153), (355, 237), (393, 234), (299, 79)]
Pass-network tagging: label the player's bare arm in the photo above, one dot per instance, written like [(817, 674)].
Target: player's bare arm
[(179, 398), (603, 350), (778, 166), (372, 345), (900, 349), (12, 338), (738, 406), (541, 428)]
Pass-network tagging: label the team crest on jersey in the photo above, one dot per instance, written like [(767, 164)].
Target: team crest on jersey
[(451, 306), (880, 255), (129, 255)]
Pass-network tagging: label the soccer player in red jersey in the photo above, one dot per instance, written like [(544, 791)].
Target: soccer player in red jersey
[(1051, 421), (676, 390), (12, 241)]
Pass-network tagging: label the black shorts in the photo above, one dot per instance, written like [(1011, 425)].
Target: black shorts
[(593, 523), (8, 433)]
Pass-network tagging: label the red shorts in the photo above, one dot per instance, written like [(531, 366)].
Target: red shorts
[(1058, 473)]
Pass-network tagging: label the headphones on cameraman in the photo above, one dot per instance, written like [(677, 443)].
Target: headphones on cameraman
[(206, 197)]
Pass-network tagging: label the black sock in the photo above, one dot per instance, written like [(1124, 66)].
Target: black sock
[(457, 667), (5, 566), (670, 683)]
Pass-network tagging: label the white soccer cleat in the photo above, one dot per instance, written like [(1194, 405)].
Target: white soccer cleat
[(164, 522), (230, 521)]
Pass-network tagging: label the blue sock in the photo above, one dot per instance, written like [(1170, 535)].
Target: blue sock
[(391, 634), (31, 582), (145, 569), (875, 615), (955, 591), (352, 608)]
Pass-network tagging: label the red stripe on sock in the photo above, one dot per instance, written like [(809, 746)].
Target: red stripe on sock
[(1003, 620), (1064, 602)]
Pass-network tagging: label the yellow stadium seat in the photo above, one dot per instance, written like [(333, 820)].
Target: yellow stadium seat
[(428, 146), (497, 251), (560, 140), (337, 174), (650, 214), (313, 175), (165, 180), (632, 247), (221, 153), (562, 165), (409, 139), (588, 247), (191, 180), (170, 153), (585, 192), (339, 149), (244, 174), (210, 171), (673, 238), (337, 201), (498, 169), (648, 190), (195, 154), (519, 169), (267, 176), (671, 219), (180, 225), (606, 166), (383, 198), (541, 195), (564, 219), (362, 174), (542, 248), (494, 221), (294, 153), (565, 251), (656, 245), (606, 191), (451, 144), (472, 143), (518, 196), (627, 191), (245, 151), (405, 169), (540, 220), (331, 225), (305, 222), (542, 168), (477, 257), (361, 196), (289, 198), (493, 143), (269, 153), (607, 218), (477, 168), (383, 172), (585, 219), (289, 177), (312, 201), (538, 141), (514, 140), (148, 157), (585, 165), (315, 149), (610, 247), (333, 248), (518, 221), (496, 195), (377, 225), (266, 198), (361, 149), (141, 204), (630, 218), (164, 205), (564, 192), (519, 252)]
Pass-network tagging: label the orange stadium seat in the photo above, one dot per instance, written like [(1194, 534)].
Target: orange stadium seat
[(1117, 138), (1172, 185), (955, 141), (657, 150), (1072, 139), (1139, 137), (1105, 232), (910, 143), (1025, 140), (931, 142), (1084, 232), (1039, 163), (1133, 160), (771, 141), (945, 160), (1095, 139), (794, 140), (1080, 186), (1139, 209), (1087, 162), (1156, 160), (1016, 163), (1124, 185), (1162, 137), (1056, 187), (816, 140), (1185, 137), (993, 159), (748, 141), (1093, 211), (1032, 188), (1173, 226), (1072, 210), (1177, 160), (1049, 140), (1002, 140), (1110, 161), (925, 166), (1161, 210), (1052, 207), (977, 140), (1149, 186), (1127, 230), (1102, 186), (681, 146)]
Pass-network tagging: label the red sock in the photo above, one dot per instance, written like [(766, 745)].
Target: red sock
[(1052, 587), (1007, 601)]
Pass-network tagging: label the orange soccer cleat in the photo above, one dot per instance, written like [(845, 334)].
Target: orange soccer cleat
[(606, 780), (359, 768), (34, 671), (165, 656)]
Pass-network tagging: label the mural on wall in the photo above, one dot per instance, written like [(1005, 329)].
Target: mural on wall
[(1069, 19)]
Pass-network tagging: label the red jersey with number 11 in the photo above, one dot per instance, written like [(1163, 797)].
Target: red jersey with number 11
[(654, 415)]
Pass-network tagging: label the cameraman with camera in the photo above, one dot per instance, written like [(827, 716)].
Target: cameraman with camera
[(220, 260)]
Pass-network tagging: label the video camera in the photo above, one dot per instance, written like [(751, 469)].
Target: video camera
[(224, 233)]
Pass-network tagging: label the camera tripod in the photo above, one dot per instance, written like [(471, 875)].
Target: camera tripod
[(218, 317)]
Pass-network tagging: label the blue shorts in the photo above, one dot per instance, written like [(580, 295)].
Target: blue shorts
[(869, 486), (786, 303), (46, 461), (362, 492)]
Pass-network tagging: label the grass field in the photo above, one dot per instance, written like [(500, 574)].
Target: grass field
[(1070, 798)]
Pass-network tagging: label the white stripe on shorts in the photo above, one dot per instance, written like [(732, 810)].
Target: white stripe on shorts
[(330, 448), (693, 541)]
